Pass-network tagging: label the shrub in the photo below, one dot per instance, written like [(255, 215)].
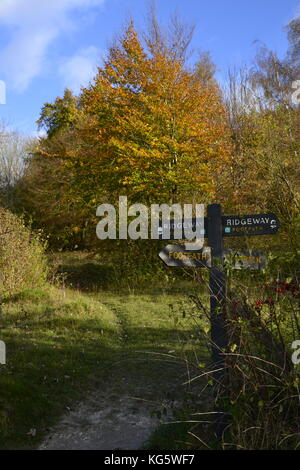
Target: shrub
[(257, 393), (23, 263)]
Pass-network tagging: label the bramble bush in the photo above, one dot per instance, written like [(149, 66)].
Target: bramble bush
[(261, 398)]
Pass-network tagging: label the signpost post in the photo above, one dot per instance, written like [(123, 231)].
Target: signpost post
[(215, 228), (217, 289)]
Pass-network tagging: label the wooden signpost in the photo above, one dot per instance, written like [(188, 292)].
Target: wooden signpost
[(215, 227), (217, 288), (232, 226)]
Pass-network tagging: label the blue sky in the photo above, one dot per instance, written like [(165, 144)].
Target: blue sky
[(46, 46)]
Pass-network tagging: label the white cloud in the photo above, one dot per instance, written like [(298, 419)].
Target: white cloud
[(81, 68), (34, 24)]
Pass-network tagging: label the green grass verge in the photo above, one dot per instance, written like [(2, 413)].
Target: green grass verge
[(61, 343)]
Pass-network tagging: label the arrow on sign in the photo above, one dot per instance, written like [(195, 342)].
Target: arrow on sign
[(177, 256)]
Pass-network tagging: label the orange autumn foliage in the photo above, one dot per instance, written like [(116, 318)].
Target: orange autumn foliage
[(148, 127)]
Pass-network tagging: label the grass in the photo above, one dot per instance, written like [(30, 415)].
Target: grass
[(170, 436), (53, 343), (62, 344), (98, 327)]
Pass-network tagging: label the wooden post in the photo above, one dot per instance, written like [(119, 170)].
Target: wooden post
[(1, 292), (217, 309)]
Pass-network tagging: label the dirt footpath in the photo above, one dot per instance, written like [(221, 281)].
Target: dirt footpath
[(123, 413)]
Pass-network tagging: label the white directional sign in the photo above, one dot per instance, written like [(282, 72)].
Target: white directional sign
[(177, 256), (241, 259), (168, 228)]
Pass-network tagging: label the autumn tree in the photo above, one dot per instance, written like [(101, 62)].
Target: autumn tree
[(60, 115), (149, 126), (264, 174), (47, 191)]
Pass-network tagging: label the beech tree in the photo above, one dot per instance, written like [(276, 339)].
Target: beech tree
[(149, 127)]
